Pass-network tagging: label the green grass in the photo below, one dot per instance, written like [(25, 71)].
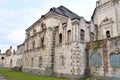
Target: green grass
[(11, 75), (88, 79)]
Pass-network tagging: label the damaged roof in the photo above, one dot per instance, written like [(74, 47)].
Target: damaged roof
[(61, 10), (65, 12)]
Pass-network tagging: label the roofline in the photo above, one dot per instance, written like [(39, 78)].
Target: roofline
[(20, 44), (39, 20), (69, 11), (93, 13), (85, 20), (52, 11), (43, 17)]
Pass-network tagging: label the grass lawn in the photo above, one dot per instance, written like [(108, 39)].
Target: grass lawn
[(11, 75)]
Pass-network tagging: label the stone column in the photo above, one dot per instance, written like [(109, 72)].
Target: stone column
[(87, 69)]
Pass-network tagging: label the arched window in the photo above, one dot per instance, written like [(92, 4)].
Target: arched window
[(60, 38), (62, 61), (40, 61), (33, 44), (42, 41), (82, 35), (96, 59), (108, 34), (91, 36), (34, 31), (115, 60), (69, 36)]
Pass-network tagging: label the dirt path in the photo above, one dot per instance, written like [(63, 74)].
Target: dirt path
[(2, 77)]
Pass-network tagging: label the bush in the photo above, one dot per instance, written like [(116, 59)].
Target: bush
[(17, 68), (89, 79)]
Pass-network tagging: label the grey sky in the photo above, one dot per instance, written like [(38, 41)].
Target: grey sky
[(17, 15)]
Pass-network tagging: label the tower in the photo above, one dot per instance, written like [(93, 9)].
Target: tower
[(106, 17)]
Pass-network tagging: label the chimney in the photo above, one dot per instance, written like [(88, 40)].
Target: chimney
[(10, 47), (14, 52)]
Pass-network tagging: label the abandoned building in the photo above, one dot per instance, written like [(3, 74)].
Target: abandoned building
[(63, 44)]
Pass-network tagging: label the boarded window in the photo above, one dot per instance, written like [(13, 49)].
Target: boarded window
[(18, 62), (62, 61), (115, 60), (96, 59), (40, 61)]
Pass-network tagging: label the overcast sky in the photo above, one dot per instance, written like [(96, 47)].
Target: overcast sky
[(18, 15)]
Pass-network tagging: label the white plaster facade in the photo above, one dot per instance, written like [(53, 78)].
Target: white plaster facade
[(56, 43), (2, 60), (14, 58), (107, 17)]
